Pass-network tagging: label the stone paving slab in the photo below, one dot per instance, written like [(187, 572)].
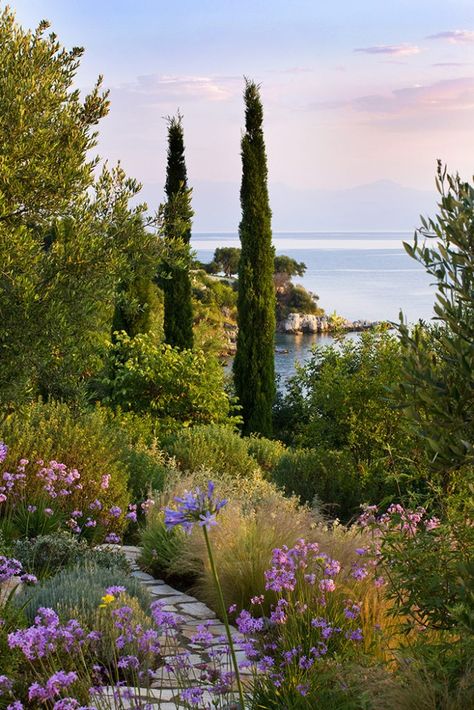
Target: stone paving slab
[(164, 692)]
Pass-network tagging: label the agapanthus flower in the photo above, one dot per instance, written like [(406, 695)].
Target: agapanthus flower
[(196, 506)]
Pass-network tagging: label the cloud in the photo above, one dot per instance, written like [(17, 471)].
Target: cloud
[(397, 50), (447, 95), (455, 36), (449, 102), (451, 64), (165, 87)]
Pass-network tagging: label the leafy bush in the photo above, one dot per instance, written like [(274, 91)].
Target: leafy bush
[(79, 590), (161, 549), (266, 452), (175, 385), (437, 386), (325, 478), (219, 449), (46, 554), (86, 442)]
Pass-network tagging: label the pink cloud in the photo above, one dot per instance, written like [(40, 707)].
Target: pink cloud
[(455, 36), (447, 95), (398, 50), (164, 87)]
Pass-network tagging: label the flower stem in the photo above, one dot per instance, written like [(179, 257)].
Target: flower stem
[(224, 617)]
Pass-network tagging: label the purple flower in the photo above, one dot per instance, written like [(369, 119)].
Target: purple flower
[(355, 635), (115, 590), (194, 507), (128, 662), (5, 684), (9, 567), (3, 451), (113, 538), (193, 696), (29, 579), (327, 585), (16, 705), (115, 511)]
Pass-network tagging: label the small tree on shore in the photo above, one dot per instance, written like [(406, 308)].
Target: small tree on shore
[(254, 369), (174, 278)]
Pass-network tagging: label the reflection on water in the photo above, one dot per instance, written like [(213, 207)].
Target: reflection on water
[(293, 348)]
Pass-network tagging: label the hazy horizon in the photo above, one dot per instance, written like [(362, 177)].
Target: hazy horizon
[(354, 95)]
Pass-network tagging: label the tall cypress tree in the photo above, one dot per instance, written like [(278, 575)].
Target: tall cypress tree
[(178, 317), (254, 368)]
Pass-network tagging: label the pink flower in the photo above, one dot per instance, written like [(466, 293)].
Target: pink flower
[(327, 585)]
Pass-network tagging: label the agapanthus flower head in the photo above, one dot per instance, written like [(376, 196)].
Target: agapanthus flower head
[(193, 507)]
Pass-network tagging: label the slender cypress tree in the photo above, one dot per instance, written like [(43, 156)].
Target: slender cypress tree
[(178, 317), (254, 368)]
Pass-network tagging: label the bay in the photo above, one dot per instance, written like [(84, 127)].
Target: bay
[(360, 275)]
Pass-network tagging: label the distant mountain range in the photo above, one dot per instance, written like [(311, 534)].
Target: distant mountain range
[(379, 206)]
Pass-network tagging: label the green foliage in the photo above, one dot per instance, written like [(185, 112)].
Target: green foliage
[(47, 554), (290, 267), (161, 549), (174, 280), (218, 449), (80, 590), (438, 373), (267, 452), (254, 368), (85, 441), (322, 478), (174, 385), (46, 131), (12, 619), (293, 298), (227, 260)]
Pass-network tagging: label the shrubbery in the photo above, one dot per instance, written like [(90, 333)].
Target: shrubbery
[(177, 386)]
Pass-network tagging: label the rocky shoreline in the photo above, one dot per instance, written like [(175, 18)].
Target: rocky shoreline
[(303, 323), (298, 323)]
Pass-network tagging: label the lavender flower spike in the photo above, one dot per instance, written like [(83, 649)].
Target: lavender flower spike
[(193, 507)]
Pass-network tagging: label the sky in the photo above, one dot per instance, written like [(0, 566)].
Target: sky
[(359, 96)]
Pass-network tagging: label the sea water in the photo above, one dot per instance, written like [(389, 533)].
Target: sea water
[(360, 275)]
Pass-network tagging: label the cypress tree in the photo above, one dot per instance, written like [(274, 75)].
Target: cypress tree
[(254, 368), (178, 314)]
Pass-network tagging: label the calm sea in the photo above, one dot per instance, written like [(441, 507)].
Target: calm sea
[(360, 275)]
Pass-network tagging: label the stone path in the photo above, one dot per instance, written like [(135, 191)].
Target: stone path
[(165, 693)]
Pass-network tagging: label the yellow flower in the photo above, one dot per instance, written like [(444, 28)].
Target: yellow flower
[(106, 599)]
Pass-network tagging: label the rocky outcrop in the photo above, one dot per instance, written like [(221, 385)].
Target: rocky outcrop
[(306, 323)]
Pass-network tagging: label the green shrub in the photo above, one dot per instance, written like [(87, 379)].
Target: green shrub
[(85, 441), (219, 449), (79, 590), (160, 548), (327, 478), (46, 554), (174, 385), (11, 619), (266, 452)]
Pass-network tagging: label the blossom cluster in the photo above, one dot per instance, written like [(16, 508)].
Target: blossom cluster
[(303, 626), (193, 507), (10, 568), (57, 489)]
